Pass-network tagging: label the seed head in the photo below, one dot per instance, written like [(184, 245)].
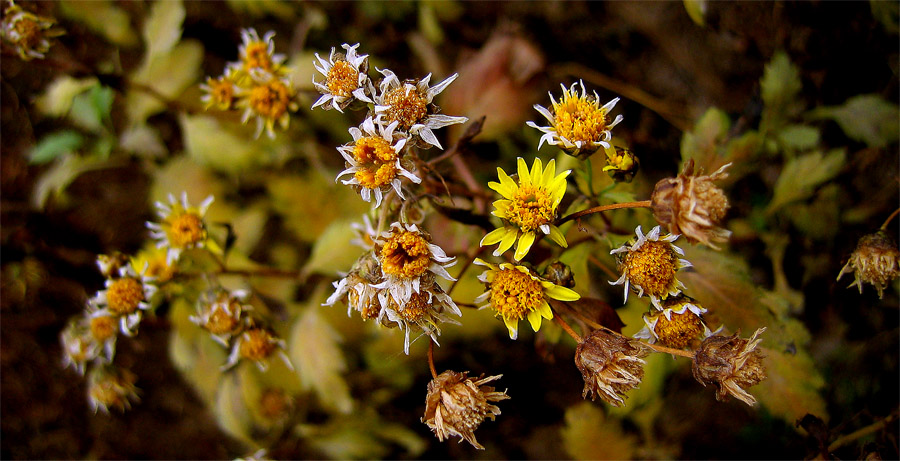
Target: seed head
[(610, 365), (691, 205), (876, 261), (732, 363), (457, 405)]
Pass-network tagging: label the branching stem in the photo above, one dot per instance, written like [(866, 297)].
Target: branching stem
[(601, 208), (568, 329)]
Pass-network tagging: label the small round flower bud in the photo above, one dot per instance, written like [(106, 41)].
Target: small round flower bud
[(560, 274), (691, 205), (876, 261), (457, 405), (621, 164), (610, 365), (732, 363)]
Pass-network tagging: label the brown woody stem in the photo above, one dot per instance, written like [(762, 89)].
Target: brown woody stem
[(431, 359), (874, 427), (889, 219), (598, 209), (669, 350), (568, 329)]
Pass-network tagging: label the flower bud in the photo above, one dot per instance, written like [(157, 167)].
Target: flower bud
[(732, 363), (457, 405), (560, 274), (621, 164), (691, 205), (610, 365), (876, 261)]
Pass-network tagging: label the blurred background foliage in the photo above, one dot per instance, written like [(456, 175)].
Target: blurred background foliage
[(801, 96)]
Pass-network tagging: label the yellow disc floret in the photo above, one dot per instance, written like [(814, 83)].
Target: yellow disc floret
[(680, 331), (256, 55), (530, 208), (579, 118), (221, 93), (514, 294), (124, 295), (271, 99), (652, 267), (186, 229), (103, 327), (257, 344), (405, 254), (342, 79), (406, 106)]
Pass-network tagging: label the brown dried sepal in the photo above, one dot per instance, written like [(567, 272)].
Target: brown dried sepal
[(732, 364), (875, 261), (610, 365), (457, 405), (692, 206)]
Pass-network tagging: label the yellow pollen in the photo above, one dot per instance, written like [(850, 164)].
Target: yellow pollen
[(406, 255), (124, 295), (270, 100), (257, 344), (579, 118), (342, 79), (186, 229), (514, 294), (220, 322), (158, 269), (103, 328), (406, 106), (530, 208), (416, 308), (222, 92), (256, 54), (680, 331), (652, 267), (368, 310)]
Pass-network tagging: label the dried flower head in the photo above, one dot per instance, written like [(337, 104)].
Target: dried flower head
[(259, 53), (221, 313), (678, 325), (270, 99), (691, 205), (527, 207), (405, 254), (456, 405), (732, 364), (516, 294), (621, 163), (257, 344), (356, 290), (374, 161), (111, 387), (649, 264), (28, 33), (125, 298), (578, 124), (610, 365), (78, 346), (182, 227), (346, 79), (876, 261), (104, 328), (109, 265), (409, 103), (423, 313)]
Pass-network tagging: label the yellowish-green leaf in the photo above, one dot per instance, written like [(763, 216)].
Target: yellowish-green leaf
[(696, 9), (142, 140), (53, 145), (257, 8), (168, 74), (363, 435), (656, 371), (292, 196), (231, 411), (208, 142), (57, 98), (429, 24), (801, 175), (780, 87), (577, 260), (799, 137), (820, 219), (588, 434), (332, 251), (867, 118), (90, 109), (194, 353), (103, 17), (54, 180), (162, 29), (314, 352), (792, 387), (703, 143)]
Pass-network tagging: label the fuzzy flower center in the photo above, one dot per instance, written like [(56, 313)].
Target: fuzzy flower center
[(680, 331), (342, 79), (416, 308), (221, 91), (159, 269), (29, 32), (652, 267), (186, 230), (257, 344), (579, 119), (103, 328), (124, 295), (531, 208), (514, 294), (368, 309), (270, 100), (377, 161), (406, 106), (405, 255), (256, 54), (220, 322)]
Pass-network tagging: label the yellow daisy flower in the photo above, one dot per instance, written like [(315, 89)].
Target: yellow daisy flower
[(220, 92), (346, 79), (515, 293), (182, 227), (527, 207), (259, 53), (677, 325), (125, 298), (270, 99), (649, 264)]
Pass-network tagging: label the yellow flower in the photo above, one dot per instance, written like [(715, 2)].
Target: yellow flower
[(269, 98), (221, 313), (621, 163), (577, 124), (125, 298), (527, 207), (515, 293), (220, 92), (257, 344), (405, 254), (346, 79), (78, 345), (28, 32), (182, 227), (678, 325), (111, 387), (648, 264), (256, 53)]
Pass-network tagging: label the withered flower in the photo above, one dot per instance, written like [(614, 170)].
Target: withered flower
[(457, 405), (732, 363), (610, 365), (876, 261), (691, 205)]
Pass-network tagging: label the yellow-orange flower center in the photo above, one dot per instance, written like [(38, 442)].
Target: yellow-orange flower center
[(342, 79), (257, 344), (368, 309), (530, 208), (579, 118), (514, 294), (274, 403), (29, 32), (406, 255), (103, 328), (124, 295), (159, 269), (221, 322), (270, 100), (221, 92), (185, 230), (406, 106), (416, 308), (377, 161), (680, 331), (652, 267), (256, 54)]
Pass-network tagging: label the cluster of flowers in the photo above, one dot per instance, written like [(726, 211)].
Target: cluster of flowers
[(258, 84), (132, 288), (27, 32)]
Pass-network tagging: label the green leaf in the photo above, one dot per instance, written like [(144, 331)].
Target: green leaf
[(208, 142), (801, 175), (57, 98), (90, 110), (168, 74), (332, 251), (703, 143), (104, 17), (792, 387), (162, 29), (588, 434), (53, 145), (780, 87), (696, 9), (309, 222), (429, 24), (799, 137), (143, 140), (867, 118), (887, 13), (315, 353)]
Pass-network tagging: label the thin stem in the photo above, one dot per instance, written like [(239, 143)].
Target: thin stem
[(598, 209), (858, 434), (603, 267), (579, 315), (568, 329), (264, 272), (889, 219), (431, 359), (669, 350)]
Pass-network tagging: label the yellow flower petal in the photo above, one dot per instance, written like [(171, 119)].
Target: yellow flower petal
[(508, 187), (493, 237), (525, 242), (545, 311), (562, 293), (508, 240), (522, 169), (534, 318), (512, 326), (557, 236), (537, 171), (549, 173)]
